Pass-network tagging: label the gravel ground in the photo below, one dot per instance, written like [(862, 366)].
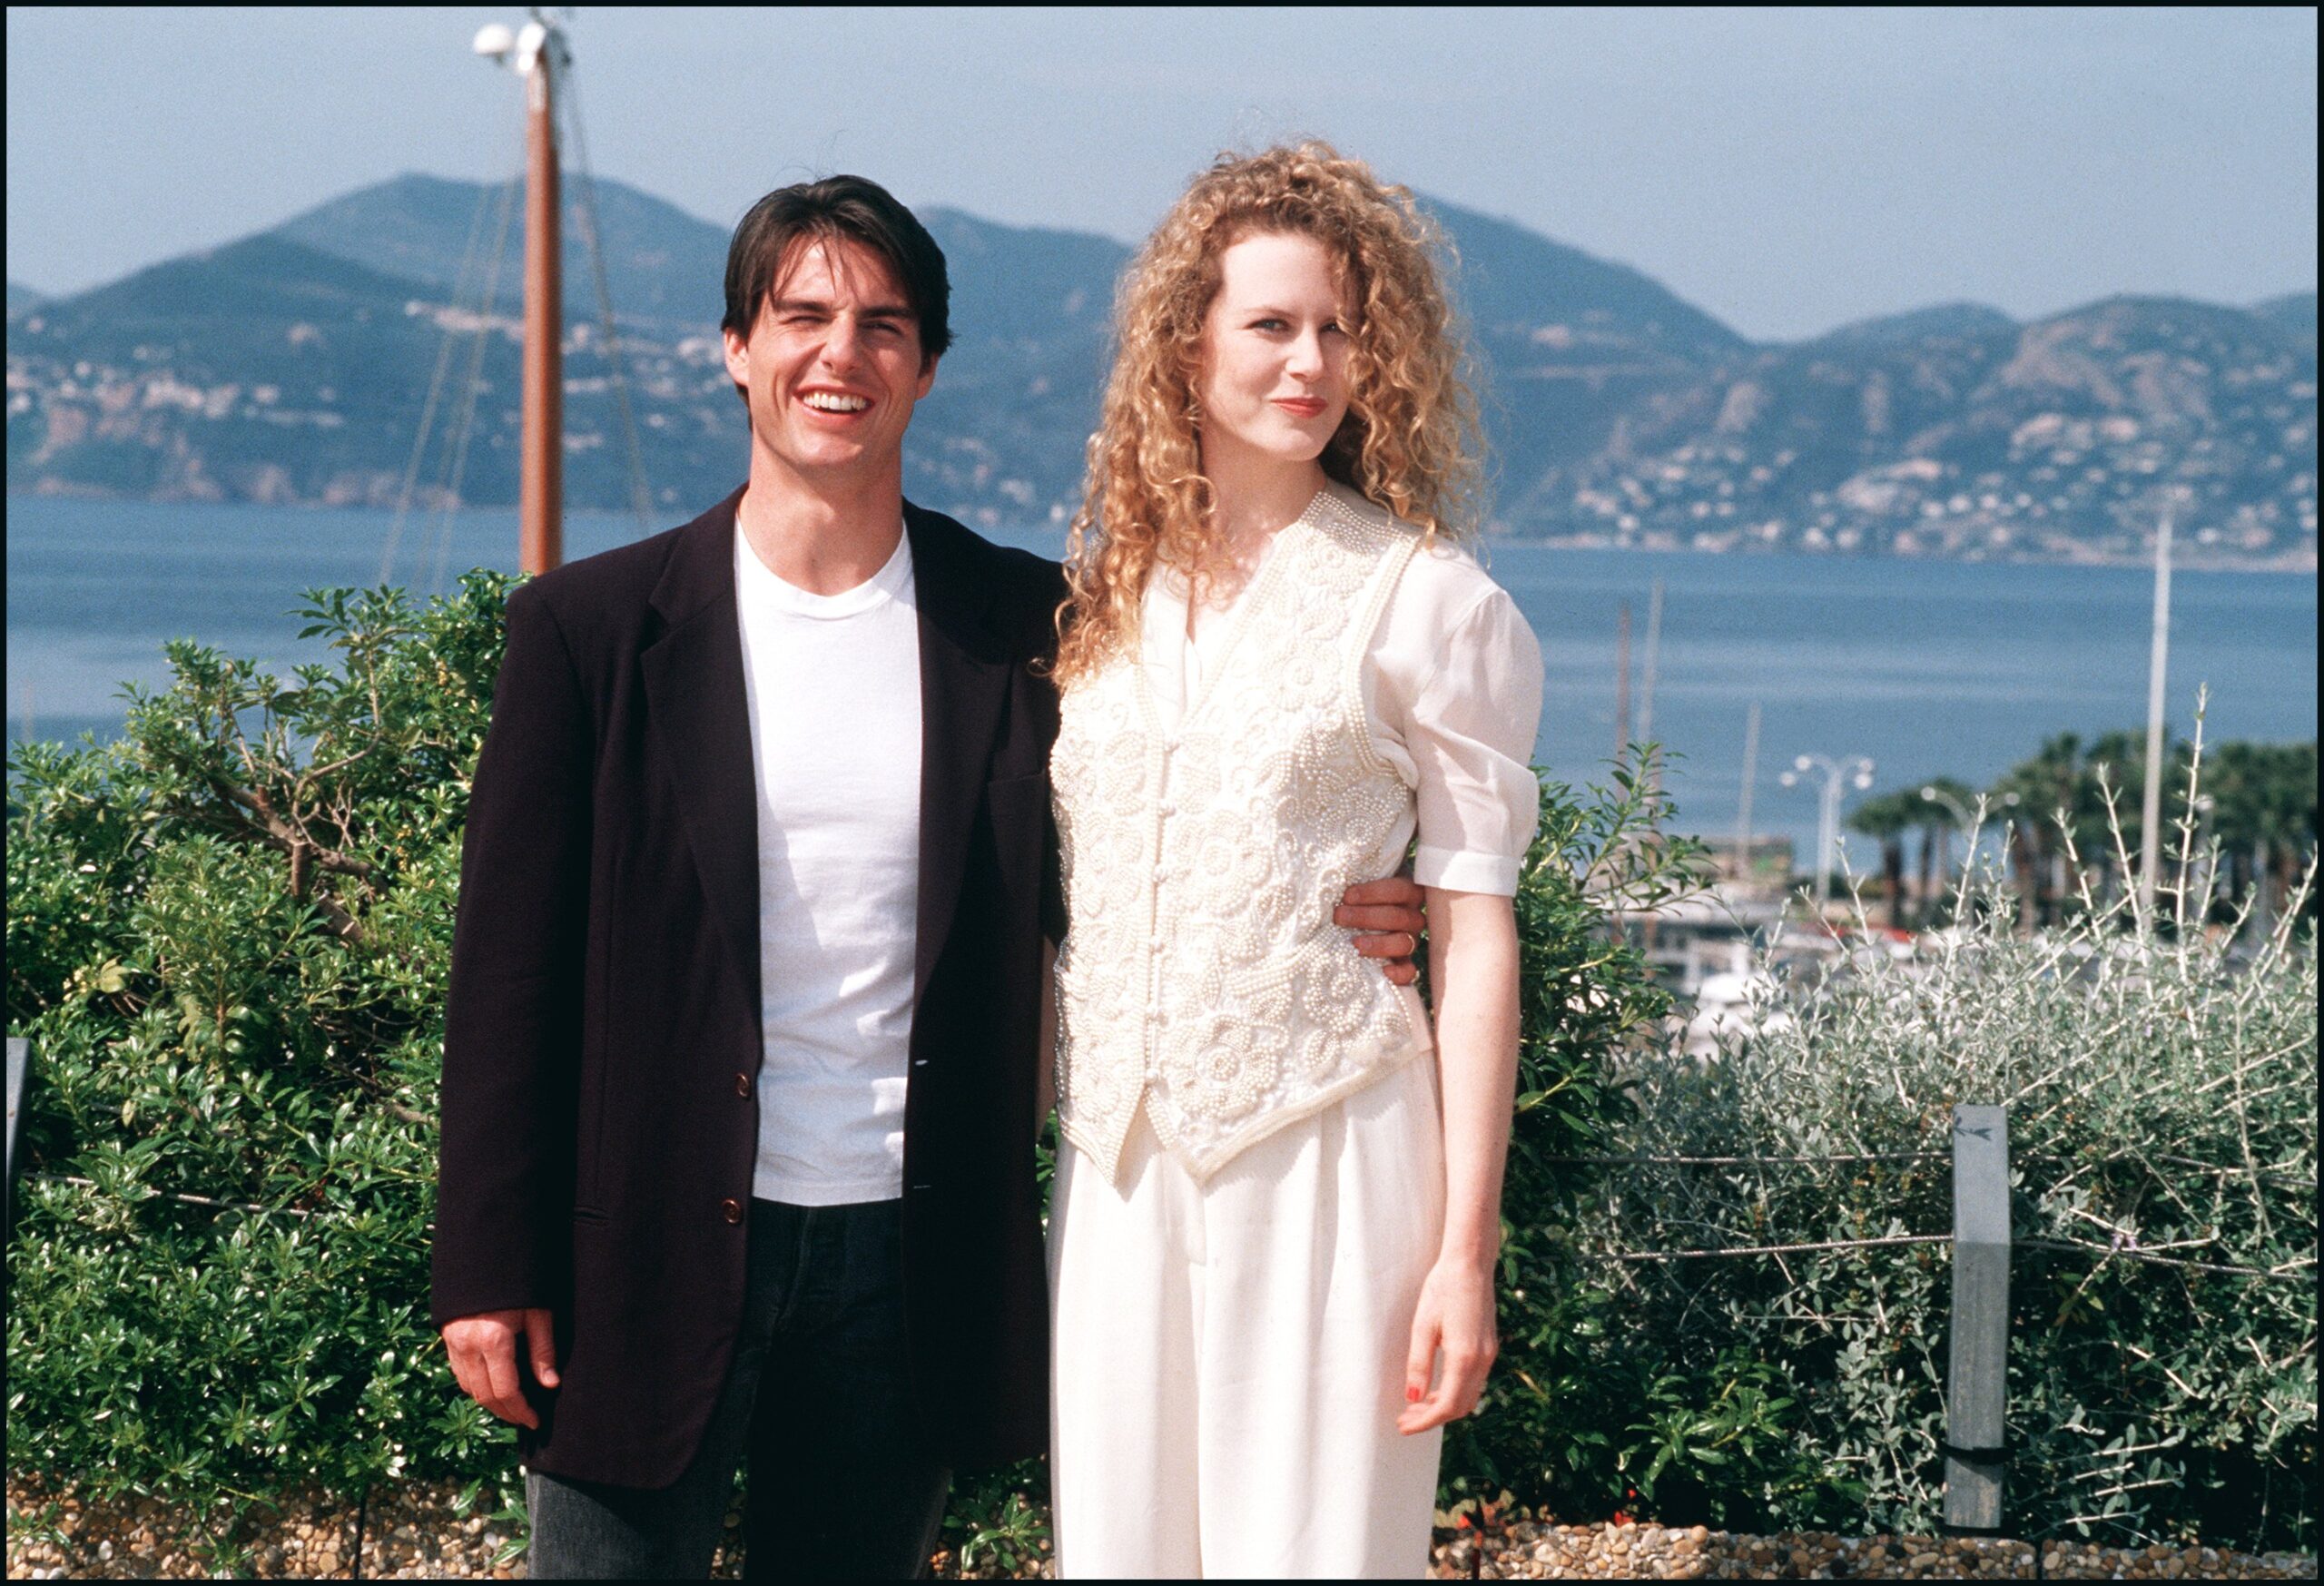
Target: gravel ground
[(1530, 1549), (411, 1535)]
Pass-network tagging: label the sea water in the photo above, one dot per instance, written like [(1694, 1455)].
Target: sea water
[(1927, 668)]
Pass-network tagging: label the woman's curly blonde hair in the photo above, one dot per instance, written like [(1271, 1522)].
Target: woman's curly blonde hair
[(1410, 442)]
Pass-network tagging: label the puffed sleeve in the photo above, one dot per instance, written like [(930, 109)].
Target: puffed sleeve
[(1469, 733)]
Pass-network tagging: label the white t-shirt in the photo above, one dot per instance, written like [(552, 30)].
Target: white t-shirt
[(1451, 692), (834, 684)]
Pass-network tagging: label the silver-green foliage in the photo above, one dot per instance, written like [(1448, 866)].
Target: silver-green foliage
[(2161, 1081)]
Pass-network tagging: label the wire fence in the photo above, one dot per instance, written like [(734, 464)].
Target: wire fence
[(2300, 1269), (1747, 1161), (2297, 1270), (1773, 1250)]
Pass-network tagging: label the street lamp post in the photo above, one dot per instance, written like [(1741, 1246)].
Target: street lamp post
[(1962, 818), (1966, 820), (1854, 770), (1963, 821)]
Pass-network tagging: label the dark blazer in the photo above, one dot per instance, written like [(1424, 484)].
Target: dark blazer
[(602, 1038)]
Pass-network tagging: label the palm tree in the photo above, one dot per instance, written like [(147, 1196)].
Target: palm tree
[(1889, 818), (2293, 800), (2264, 814), (2050, 781), (2261, 798), (1938, 801)]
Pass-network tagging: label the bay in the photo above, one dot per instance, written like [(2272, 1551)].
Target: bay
[(1928, 668)]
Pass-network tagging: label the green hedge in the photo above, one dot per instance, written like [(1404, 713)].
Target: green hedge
[(228, 937)]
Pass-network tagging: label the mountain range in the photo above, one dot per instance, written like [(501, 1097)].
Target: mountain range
[(296, 365)]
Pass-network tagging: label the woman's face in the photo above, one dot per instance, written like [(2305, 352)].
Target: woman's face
[(1274, 349)]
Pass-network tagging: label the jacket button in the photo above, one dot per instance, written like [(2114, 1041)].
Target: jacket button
[(731, 1211), (741, 1084)]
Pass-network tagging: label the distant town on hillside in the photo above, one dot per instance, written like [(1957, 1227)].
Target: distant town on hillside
[(293, 367)]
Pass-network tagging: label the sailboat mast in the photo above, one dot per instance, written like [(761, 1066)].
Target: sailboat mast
[(1622, 682), (540, 506)]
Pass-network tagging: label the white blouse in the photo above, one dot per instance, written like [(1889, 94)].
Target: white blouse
[(1451, 695)]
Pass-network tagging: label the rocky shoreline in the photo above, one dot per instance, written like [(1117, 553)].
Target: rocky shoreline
[(411, 1533)]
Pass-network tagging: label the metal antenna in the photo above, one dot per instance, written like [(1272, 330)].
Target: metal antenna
[(1750, 775)]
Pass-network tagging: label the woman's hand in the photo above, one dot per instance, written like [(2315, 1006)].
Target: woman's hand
[(1473, 968), (1390, 915), (1455, 1316)]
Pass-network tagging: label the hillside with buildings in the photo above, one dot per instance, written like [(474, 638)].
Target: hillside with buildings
[(295, 366)]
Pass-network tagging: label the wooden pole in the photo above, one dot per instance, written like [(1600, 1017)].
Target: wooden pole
[(540, 534), (1977, 1378)]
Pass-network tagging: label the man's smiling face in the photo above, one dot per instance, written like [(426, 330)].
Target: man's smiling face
[(833, 365)]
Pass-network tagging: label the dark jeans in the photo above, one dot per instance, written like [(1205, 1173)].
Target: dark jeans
[(840, 1484)]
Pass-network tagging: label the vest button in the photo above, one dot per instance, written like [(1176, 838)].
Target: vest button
[(731, 1211)]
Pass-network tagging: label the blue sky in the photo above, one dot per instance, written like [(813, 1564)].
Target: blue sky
[(1787, 171)]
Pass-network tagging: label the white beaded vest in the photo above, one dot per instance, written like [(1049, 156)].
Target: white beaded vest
[(1201, 974)]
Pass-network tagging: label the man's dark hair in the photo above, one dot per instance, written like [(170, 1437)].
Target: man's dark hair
[(849, 208)]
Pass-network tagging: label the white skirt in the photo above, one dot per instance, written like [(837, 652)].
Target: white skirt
[(1229, 1355)]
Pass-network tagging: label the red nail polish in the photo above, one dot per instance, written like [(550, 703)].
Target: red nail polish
[(1412, 1395)]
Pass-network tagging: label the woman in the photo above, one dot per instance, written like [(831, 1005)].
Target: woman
[(1275, 1220)]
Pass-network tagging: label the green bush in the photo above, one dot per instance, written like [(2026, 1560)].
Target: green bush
[(1553, 1424), (229, 934), (228, 939)]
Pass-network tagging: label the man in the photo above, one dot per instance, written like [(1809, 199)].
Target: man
[(739, 1079)]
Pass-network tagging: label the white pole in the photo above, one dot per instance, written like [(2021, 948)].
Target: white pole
[(1653, 650), (1836, 775), (2157, 665), (1653, 767), (1827, 834)]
